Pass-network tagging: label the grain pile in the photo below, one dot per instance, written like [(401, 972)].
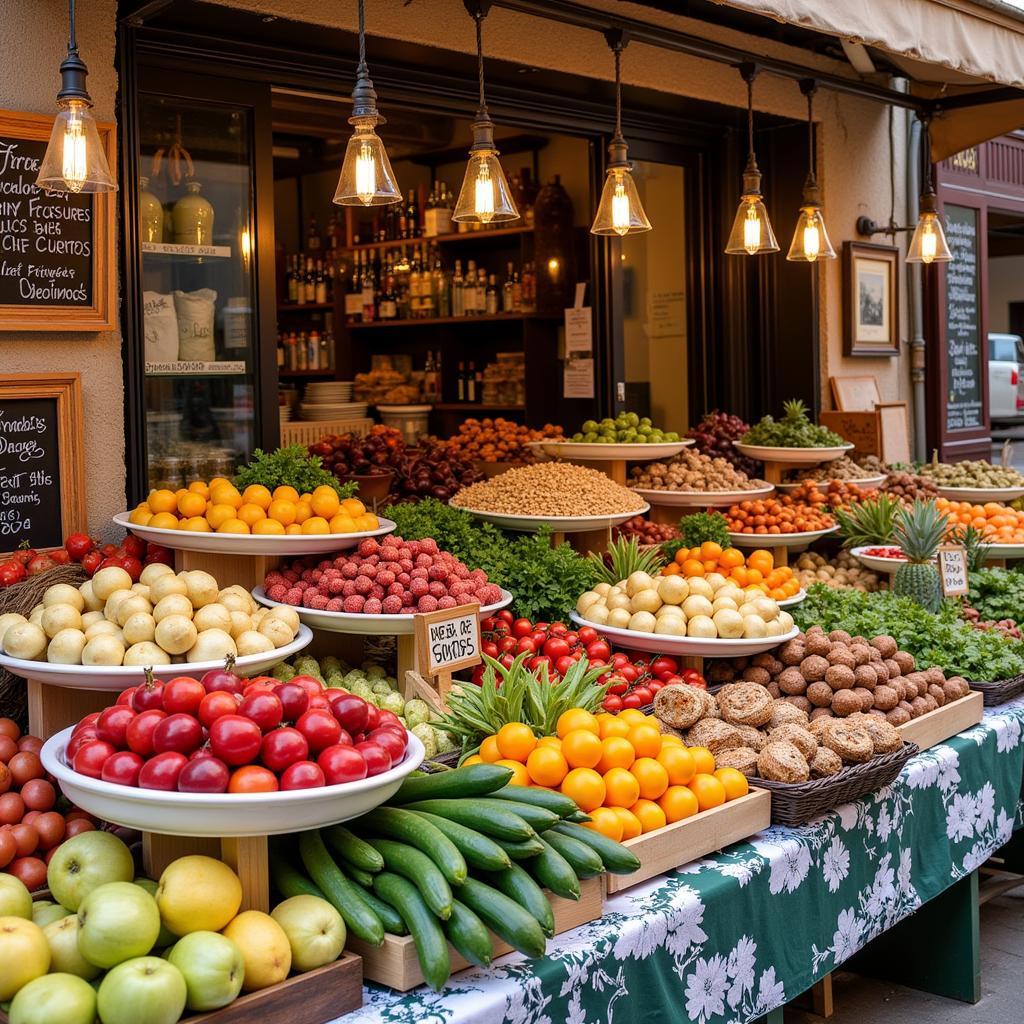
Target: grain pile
[(692, 471)]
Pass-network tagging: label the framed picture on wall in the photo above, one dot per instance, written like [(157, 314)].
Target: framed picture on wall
[(871, 319)]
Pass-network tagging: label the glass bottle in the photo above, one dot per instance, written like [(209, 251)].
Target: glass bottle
[(193, 217), (458, 305), (507, 303), (313, 236), (301, 352), (443, 211), (480, 302), (471, 383), (412, 216), (491, 296), (469, 289), (151, 214), (369, 290), (460, 383), (321, 284)]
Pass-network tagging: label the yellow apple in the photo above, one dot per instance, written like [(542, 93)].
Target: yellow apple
[(265, 949), (25, 954), (198, 893)]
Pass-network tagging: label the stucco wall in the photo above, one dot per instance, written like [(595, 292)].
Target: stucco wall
[(35, 41)]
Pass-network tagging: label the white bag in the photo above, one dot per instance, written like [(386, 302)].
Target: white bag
[(196, 316), (159, 328)]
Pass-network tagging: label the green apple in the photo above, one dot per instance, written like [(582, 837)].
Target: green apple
[(24, 954), (315, 930), (116, 922), (165, 938), (43, 912), (212, 967), (62, 938), (84, 862), (146, 990), (54, 997), (15, 899)]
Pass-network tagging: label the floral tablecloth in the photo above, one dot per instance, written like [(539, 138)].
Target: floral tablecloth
[(726, 939)]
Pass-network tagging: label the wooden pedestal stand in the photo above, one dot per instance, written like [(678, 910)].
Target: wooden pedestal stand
[(247, 570), (597, 541), (615, 469), (53, 708)]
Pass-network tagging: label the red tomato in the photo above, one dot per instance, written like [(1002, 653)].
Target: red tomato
[(76, 825), (507, 644), (294, 700), (265, 709), (236, 740), (526, 645), (50, 827), (91, 562), (158, 553), (320, 728), (78, 545), (25, 766), (505, 615), (312, 686), (618, 659), (654, 685), (122, 768), (390, 741), (506, 660), (222, 679), (537, 660), (598, 649), (134, 546), (11, 729), (180, 732), (303, 775), (12, 809), (341, 763), (113, 723), (253, 779), (539, 637), (631, 700), (89, 758), (490, 648), (8, 748), (183, 694), (8, 847), (11, 572), (132, 566), (204, 775), (29, 870), (162, 771), (629, 672), (149, 694), (60, 556), (612, 703), (557, 629), (664, 666), (30, 745), (522, 627), (282, 748), (618, 685), (557, 647), (376, 757), (217, 704), (108, 550), (644, 694), (563, 664), (351, 712)]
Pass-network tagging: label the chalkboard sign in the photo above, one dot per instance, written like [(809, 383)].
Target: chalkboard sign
[(56, 257), (41, 479), (964, 400)]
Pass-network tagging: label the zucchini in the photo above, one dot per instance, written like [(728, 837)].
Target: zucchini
[(468, 934), (479, 850), (400, 823), (288, 880), (351, 849), (431, 944), (617, 859), (515, 883), (473, 780), (554, 872), (504, 917), (420, 870), (346, 897), (496, 820), (358, 875), (583, 859), (549, 799), (521, 850), (389, 917)]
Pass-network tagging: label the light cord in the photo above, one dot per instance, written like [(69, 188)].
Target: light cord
[(480, 58)]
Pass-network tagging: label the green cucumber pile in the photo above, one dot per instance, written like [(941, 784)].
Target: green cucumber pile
[(451, 857)]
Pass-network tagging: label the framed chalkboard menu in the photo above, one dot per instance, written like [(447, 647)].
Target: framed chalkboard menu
[(56, 249), (42, 485), (965, 408)]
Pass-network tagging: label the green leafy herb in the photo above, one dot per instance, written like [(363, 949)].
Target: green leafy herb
[(289, 467), (997, 594), (696, 529), (794, 430)]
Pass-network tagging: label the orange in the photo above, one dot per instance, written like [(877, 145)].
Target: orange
[(303, 510), (217, 514), (703, 760), (325, 501), (652, 777), (649, 814), (546, 766), (353, 507), (616, 752), (162, 500), (734, 781), (265, 526), (282, 510), (678, 762), (516, 741), (520, 777), (195, 524), (315, 524), (307, 497), (730, 558), (709, 549), (367, 522), (611, 725), (605, 821), (217, 480), (164, 521), (576, 718), (250, 514), (292, 529), (550, 741), (489, 750), (761, 560), (584, 786), (669, 739), (693, 567), (226, 494), (621, 788), (233, 526), (191, 504), (678, 802), (140, 516), (630, 823), (472, 759), (646, 740), (257, 494), (285, 493), (581, 748), (200, 487), (634, 716), (708, 790), (342, 523)]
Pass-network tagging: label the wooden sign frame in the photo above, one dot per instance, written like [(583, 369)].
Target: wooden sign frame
[(100, 315), (421, 630), (66, 388), (848, 392), (956, 551)]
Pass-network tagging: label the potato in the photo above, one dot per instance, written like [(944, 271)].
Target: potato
[(154, 571), (25, 640), (728, 622), (66, 647), (64, 593), (175, 633), (670, 625), (7, 620), (277, 629), (166, 585), (103, 650), (638, 581), (715, 580), (202, 587), (237, 588), (240, 623), (617, 601), (251, 642), (212, 645), (700, 587), (142, 590), (132, 606), (235, 602), (146, 653), (103, 628), (645, 601), (112, 603), (106, 581), (642, 622), (58, 617), (754, 627), (673, 590), (597, 614), (139, 628), (289, 615), (702, 626), (586, 599), (212, 616), (697, 605), (173, 604), (92, 602), (618, 618), (602, 589)]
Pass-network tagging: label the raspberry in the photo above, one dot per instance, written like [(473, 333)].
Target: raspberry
[(429, 545), (491, 594), (363, 584), (377, 592), (404, 578), (278, 592), (371, 560), (437, 572), (418, 573), (407, 597), (353, 604), (414, 548), (368, 547), (390, 555), (392, 540), (446, 602), (465, 599), (336, 604), (436, 588), (405, 564), (350, 570), (316, 575), (424, 560), (366, 569), (396, 588), (392, 605), (460, 571), (290, 575), (348, 588), (317, 602), (334, 585), (373, 606), (408, 609), (272, 579), (478, 576), (339, 562), (302, 585), (385, 577), (419, 587), (325, 564), (427, 603), (294, 596)]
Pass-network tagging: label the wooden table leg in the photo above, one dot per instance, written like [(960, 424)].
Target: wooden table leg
[(248, 856), (593, 540), (159, 850), (247, 570), (614, 468), (53, 708), (406, 655), (821, 997)]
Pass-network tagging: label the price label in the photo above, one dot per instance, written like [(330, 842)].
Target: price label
[(953, 570), (448, 639)]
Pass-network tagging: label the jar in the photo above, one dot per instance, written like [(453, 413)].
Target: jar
[(193, 217), (171, 471), (151, 214)]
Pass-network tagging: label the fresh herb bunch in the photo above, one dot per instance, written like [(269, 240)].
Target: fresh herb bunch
[(942, 639), (794, 430), (695, 530), (289, 467), (624, 558), (870, 522), (973, 542), (454, 529), (997, 594)]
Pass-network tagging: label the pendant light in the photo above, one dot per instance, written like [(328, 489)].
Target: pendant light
[(485, 197), (74, 160), (810, 239), (366, 176), (620, 211), (928, 243), (751, 230)]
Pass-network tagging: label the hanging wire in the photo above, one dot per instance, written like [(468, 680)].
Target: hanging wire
[(811, 155), (617, 49), (362, 36), (72, 40), (750, 115), (892, 168), (480, 58)]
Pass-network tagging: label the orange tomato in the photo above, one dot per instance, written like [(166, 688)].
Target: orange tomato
[(605, 821), (678, 763), (251, 514), (315, 524), (226, 494), (162, 500), (550, 741), (693, 567), (342, 523), (285, 493), (516, 740), (326, 501), (140, 516), (282, 510), (652, 777), (582, 748), (634, 716), (233, 525), (730, 558), (252, 779), (621, 788), (739, 575), (616, 752), (584, 786), (611, 725), (734, 781), (520, 776), (703, 760), (257, 494), (709, 791), (268, 526), (199, 487), (630, 823), (669, 739), (292, 529), (576, 718), (646, 740), (489, 750), (709, 549), (473, 759), (649, 814), (303, 510), (191, 504), (678, 802), (197, 524), (353, 507), (217, 514), (546, 766), (164, 521)]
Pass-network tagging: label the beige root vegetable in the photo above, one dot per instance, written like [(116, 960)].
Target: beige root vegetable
[(172, 604), (175, 633), (60, 616), (212, 645), (154, 571), (66, 647), (146, 653), (618, 618), (64, 593), (92, 602), (251, 642), (103, 650), (166, 585), (278, 630), (25, 640), (201, 587), (212, 616), (7, 620), (106, 581), (240, 623), (139, 628), (103, 628), (132, 606), (113, 602)]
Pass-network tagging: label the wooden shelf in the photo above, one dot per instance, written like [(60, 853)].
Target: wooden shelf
[(471, 406), (303, 307), (454, 236), (306, 373), (447, 320)]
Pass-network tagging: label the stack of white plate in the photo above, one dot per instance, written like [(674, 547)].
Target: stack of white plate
[(328, 392), (286, 413), (333, 411)]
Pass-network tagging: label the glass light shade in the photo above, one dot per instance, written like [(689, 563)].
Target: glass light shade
[(366, 176), (928, 244), (620, 211), (485, 197), (74, 160), (810, 239), (751, 230)]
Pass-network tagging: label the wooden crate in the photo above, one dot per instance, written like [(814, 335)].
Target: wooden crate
[(938, 725), (309, 432), (394, 964), (683, 841)]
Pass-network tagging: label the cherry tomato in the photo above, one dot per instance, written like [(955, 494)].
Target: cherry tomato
[(488, 624), (311, 686), (283, 747), (376, 757), (122, 768), (506, 660), (654, 685), (12, 809), (265, 709), (539, 638), (390, 741), (8, 847), (664, 666), (631, 700), (162, 771), (89, 758), (618, 659), (222, 679), (183, 694), (236, 740), (572, 639), (477, 677), (6, 779), (557, 629), (618, 686), (320, 728), (506, 616), (125, 696), (181, 733), (537, 660), (612, 703), (78, 545), (204, 775), (253, 779), (303, 775), (644, 694), (507, 644), (91, 561), (385, 717), (563, 664), (490, 648), (30, 745), (526, 645), (39, 795), (598, 649), (351, 712), (341, 763), (294, 700), (78, 740), (557, 647), (217, 704), (629, 672), (113, 724), (25, 766), (149, 694), (522, 627), (134, 546)]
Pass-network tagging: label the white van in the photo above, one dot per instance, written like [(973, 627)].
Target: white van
[(1006, 378)]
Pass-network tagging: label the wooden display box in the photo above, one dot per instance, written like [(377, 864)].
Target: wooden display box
[(677, 844), (394, 964), (942, 723)]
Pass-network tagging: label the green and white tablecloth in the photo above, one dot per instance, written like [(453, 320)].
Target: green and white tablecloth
[(727, 939)]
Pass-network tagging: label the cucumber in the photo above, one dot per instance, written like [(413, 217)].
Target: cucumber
[(420, 870), (346, 897), (583, 859), (515, 883), (504, 917), (431, 944), (351, 849), (474, 780), (496, 820), (616, 858), (557, 803), (288, 881), (389, 917), (468, 934), (400, 823), (358, 875), (479, 850), (579, 817), (538, 818), (554, 872), (521, 850)]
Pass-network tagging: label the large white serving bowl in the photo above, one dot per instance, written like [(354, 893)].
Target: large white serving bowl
[(591, 452), (290, 546), (364, 625), (1003, 550), (779, 540), (709, 647), (116, 677), (788, 602), (225, 814), (558, 524), (702, 499), (866, 483), (875, 562), (773, 453), (979, 495)]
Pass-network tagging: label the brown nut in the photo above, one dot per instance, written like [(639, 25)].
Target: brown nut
[(840, 677)]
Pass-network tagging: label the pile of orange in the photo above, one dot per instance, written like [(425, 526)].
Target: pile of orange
[(619, 769), (997, 523), (219, 507), (757, 569)]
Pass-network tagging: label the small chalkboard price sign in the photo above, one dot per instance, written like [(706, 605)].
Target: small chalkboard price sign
[(42, 492), (953, 570), (56, 249), (446, 641)]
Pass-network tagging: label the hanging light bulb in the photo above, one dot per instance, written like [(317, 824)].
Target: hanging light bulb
[(928, 243), (74, 160), (751, 229), (619, 211), (485, 197), (366, 176), (810, 239)]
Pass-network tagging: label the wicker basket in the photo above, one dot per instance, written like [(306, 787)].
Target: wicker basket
[(794, 803), (1000, 691)]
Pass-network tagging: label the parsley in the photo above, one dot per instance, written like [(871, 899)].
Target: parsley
[(290, 467), (997, 594)]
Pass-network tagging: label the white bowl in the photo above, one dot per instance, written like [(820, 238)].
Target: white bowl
[(591, 452), (558, 524), (979, 495), (225, 814), (875, 562), (779, 540), (702, 499), (116, 677), (867, 483), (364, 625), (788, 602), (1004, 550), (802, 456), (288, 546)]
